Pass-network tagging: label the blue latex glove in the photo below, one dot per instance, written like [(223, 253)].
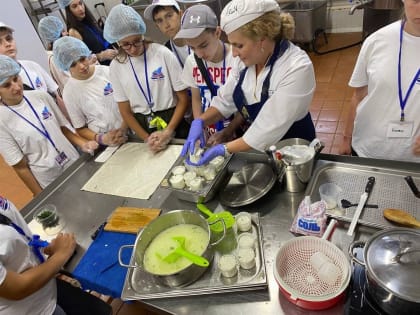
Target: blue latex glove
[(196, 133), (210, 154)]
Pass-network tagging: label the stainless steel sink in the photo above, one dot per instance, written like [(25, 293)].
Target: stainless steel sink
[(310, 18)]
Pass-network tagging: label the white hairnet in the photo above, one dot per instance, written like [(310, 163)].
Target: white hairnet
[(8, 68), (123, 21), (63, 3), (50, 28), (68, 50)]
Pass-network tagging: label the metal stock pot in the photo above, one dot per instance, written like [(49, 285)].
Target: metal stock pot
[(392, 262), (190, 273)]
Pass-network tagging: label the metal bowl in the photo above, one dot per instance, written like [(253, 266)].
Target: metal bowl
[(190, 273)]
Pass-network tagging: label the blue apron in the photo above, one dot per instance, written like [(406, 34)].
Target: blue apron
[(303, 128)]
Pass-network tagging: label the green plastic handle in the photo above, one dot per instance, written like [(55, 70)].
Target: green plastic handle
[(198, 260), (204, 209), (180, 250)]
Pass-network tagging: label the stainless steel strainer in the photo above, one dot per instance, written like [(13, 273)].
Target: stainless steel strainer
[(299, 280)]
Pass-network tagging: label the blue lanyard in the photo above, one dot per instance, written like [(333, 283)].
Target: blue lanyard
[(27, 75), (176, 53), (34, 242), (403, 100), (44, 132), (148, 97)]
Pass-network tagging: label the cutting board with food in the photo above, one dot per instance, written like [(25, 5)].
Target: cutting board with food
[(130, 219)]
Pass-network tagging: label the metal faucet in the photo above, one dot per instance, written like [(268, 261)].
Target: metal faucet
[(359, 4)]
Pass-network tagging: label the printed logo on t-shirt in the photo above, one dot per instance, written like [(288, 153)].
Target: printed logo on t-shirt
[(157, 74), (418, 80), (108, 89), (38, 83), (4, 204), (45, 113)]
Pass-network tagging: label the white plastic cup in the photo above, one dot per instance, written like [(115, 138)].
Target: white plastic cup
[(330, 192)]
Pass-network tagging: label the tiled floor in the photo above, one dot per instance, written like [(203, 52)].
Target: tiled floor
[(328, 109)]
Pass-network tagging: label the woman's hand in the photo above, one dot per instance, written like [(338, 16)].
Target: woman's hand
[(196, 133), (210, 154)]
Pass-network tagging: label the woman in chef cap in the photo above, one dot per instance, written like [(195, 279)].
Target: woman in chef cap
[(274, 90)]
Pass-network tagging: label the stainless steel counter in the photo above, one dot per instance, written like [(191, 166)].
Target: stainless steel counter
[(85, 211)]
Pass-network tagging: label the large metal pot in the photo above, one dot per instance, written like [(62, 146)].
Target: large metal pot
[(392, 262), (190, 273)]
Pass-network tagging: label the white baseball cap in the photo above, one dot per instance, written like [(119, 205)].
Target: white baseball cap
[(240, 12), (4, 25), (195, 20), (148, 12)]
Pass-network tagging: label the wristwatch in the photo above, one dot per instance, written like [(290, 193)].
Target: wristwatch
[(227, 153)]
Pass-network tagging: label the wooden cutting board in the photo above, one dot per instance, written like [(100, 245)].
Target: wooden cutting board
[(130, 219)]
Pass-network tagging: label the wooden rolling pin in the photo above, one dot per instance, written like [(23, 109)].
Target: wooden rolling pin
[(401, 217)]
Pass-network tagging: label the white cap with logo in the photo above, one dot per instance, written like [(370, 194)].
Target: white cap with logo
[(148, 12), (195, 20), (4, 25), (240, 12)]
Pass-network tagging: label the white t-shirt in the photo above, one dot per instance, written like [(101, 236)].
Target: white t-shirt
[(292, 85), (218, 73), (18, 139), (60, 77), (377, 68), (16, 255), (35, 76), (91, 103), (164, 77)]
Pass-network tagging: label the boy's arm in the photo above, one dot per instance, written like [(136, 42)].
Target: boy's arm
[(25, 174)]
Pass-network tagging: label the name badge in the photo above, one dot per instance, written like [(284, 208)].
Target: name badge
[(61, 159), (400, 129)]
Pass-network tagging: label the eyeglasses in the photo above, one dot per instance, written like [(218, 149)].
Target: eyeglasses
[(137, 43)]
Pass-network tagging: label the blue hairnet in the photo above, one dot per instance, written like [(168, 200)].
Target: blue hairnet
[(50, 28), (8, 68), (67, 50), (63, 3), (123, 21)]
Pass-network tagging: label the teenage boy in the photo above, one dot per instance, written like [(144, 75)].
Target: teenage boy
[(207, 68), (167, 16)]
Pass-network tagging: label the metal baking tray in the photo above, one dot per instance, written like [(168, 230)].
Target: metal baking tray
[(208, 190), (390, 191), (141, 285)]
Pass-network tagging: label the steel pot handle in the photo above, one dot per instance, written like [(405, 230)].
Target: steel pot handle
[(356, 244), (224, 231), (120, 259)]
